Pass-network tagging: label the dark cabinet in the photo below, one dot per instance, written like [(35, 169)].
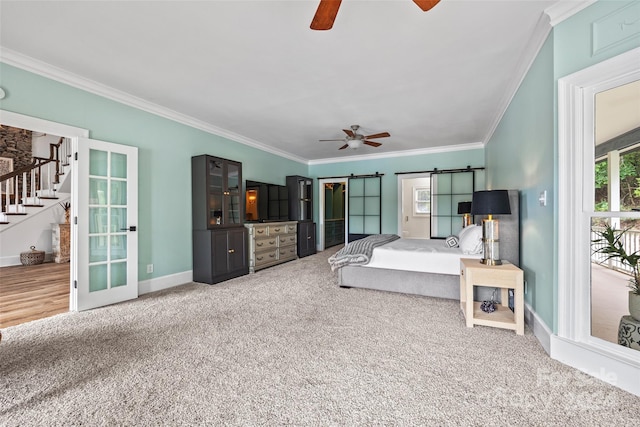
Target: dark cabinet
[(306, 239), (300, 191), (219, 255), (219, 236), (216, 192)]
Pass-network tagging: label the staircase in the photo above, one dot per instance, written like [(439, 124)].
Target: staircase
[(39, 185), (31, 199)]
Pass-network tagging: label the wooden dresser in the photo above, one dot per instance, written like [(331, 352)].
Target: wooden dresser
[(271, 243)]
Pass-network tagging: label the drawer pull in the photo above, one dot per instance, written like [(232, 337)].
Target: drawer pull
[(276, 229), (272, 255), (259, 231), (259, 244), (272, 242)]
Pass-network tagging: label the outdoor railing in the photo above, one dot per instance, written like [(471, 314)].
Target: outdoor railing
[(630, 242)]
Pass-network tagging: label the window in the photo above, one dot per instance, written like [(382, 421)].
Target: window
[(421, 201)]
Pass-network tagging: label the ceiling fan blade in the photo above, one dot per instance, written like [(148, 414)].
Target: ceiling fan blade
[(349, 132), (426, 5), (372, 143), (325, 14), (343, 147), (378, 135)]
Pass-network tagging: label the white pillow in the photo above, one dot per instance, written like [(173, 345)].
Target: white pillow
[(471, 240)]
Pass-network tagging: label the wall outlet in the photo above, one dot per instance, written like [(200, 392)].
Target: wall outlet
[(149, 268)]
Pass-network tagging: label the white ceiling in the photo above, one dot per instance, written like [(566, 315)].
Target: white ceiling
[(254, 71)]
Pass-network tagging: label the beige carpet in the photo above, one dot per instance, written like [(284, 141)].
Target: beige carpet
[(286, 346)]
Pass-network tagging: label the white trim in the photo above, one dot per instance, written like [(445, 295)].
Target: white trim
[(60, 75), (406, 153), (615, 371), (574, 345), (12, 260), (528, 56), (21, 121), (540, 329), (164, 282), (562, 10)]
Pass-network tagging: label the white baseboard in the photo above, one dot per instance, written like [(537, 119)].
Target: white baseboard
[(540, 329), (620, 372), (164, 282), (9, 261), (624, 374)]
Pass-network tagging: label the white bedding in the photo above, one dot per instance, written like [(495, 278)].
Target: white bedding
[(423, 255)]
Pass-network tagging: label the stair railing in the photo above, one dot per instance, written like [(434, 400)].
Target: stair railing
[(39, 181)]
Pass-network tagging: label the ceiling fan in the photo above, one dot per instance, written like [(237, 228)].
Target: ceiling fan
[(355, 139), (328, 9)]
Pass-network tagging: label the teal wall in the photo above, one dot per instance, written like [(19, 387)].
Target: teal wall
[(520, 155), (389, 167), (523, 152), (165, 150)]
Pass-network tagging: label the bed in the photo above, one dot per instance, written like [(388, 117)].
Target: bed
[(427, 267)]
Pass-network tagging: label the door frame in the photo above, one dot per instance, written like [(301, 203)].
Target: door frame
[(321, 206), (52, 128), (402, 177), (572, 343)]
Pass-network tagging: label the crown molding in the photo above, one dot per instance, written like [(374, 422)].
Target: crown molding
[(565, 9), (406, 153), (49, 71)]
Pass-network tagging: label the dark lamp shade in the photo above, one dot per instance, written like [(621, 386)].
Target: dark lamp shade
[(490, 202), (464, 207)]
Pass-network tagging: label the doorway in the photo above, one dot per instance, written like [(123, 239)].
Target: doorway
[(414, 219), (59, 273), (333, 212)]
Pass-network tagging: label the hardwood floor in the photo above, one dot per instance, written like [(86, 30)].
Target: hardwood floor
[(33, 292)]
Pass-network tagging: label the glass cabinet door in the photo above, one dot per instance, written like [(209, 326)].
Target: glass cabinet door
[(215, 190), (305, 190), (233, 199)]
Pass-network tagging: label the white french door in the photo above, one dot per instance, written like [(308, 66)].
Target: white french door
[(105, 238)]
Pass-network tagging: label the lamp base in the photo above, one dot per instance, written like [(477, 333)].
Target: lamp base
[(491, 242), (486, 261)]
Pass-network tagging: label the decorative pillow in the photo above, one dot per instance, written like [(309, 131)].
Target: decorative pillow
[(451, 242), (471, 240)]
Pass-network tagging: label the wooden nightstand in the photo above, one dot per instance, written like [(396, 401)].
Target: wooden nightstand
[(506, 276)]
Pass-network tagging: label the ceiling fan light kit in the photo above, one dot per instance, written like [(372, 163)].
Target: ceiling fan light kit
[(355, 139), (328, 10)]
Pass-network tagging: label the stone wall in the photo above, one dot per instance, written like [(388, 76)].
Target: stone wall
[(16, 144)]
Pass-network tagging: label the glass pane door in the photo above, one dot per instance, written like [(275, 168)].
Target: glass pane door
[(233, 194), (215, 189), (107, 265)]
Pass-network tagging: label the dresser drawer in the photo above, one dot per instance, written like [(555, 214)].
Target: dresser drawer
[(260, 231), (287, 239), (277, 229), (288, 252), (269, 242), (266, 257)]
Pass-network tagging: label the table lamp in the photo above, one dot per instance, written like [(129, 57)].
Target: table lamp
[(490, 202), (464, 209)]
